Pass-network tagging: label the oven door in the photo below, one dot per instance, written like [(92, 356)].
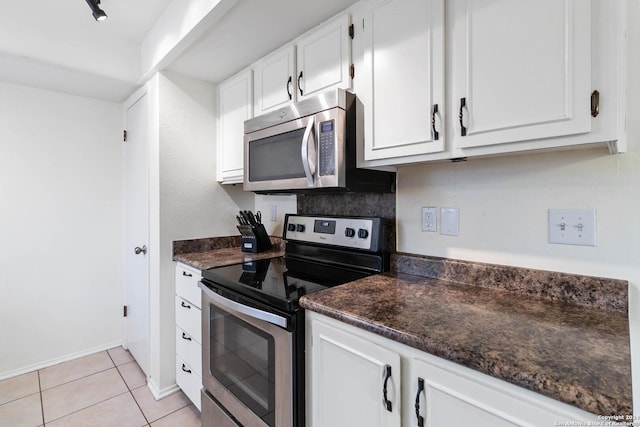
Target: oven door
[(247, 361), (300, 154)]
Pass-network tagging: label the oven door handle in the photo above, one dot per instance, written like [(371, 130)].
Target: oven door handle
[(308, 162), (252, 312)]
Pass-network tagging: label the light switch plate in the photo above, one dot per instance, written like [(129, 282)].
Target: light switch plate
[(450, 221), (572, 226)]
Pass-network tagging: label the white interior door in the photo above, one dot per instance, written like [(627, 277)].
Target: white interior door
[(137, 233)]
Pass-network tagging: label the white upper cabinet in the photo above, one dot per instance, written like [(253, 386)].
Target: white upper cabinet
[(324, 58), (399, 59), (520, 70), (505, 76), (235, 105), (274, 82)]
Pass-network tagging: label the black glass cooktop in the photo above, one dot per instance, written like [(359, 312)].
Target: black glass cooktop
[(279, 282)]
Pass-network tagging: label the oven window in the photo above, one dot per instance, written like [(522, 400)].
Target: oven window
[(243, 360), (276, 157)]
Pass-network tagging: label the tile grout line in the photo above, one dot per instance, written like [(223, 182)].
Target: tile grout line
[(40, 393), (129, 389), (86, 376), (82, 409)]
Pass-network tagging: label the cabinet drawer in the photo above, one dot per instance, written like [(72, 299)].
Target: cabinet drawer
[(187, 279), (188, 318), (189, 350), (188, 381)]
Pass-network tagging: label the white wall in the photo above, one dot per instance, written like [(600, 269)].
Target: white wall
[(283, 204), (186, 200), (503, 207), (61, 225)]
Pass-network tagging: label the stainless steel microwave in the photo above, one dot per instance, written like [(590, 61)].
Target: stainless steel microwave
[(309, 146)]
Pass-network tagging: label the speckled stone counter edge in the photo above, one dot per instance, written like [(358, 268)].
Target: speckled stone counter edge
[(596, 292)]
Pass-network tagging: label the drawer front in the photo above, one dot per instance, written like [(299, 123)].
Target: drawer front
[(189, 382), (189, 350), (187, 279), (188, 317)]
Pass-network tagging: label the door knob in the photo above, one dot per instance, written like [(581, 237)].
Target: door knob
[(139, 250)]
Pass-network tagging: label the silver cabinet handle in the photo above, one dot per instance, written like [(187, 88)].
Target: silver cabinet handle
[(138, 250)]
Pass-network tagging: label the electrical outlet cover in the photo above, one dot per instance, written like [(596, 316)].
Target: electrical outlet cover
[(429, 219)]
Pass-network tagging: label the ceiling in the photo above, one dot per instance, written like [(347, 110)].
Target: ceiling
[(58, 45)]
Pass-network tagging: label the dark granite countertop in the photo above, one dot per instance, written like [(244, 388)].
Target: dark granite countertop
[(576, 354), (219, 251)]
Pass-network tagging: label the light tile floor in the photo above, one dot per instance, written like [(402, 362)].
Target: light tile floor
[(106, 389)]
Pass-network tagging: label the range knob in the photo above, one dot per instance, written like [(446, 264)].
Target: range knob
[(300, 228), (291, 227), (362, 233), (349, 232)]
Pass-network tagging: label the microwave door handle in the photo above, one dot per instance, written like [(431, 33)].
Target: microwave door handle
[(307, 164)]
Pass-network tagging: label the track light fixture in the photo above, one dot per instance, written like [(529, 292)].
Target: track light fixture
[(97, 12)]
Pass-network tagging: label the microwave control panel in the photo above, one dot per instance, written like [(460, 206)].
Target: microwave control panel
[(327, 148)]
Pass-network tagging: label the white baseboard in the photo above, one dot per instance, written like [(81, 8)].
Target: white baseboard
[(56, 360), (158, 393)]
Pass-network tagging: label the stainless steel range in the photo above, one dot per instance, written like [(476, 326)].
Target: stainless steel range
[(253, 328)]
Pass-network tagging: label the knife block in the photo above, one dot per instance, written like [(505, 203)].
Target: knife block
[(254, 238)]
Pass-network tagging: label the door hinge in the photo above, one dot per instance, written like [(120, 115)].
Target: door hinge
[(595, 103), (352, 71), (351, 31), (124, 135), (124, 311)]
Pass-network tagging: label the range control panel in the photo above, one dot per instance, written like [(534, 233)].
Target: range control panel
[(350, 232)]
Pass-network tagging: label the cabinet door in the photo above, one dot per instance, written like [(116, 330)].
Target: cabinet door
[(521, 70), (348, 378), (234, 107), (400, 80), (187, 279), (273, 81), (323, 58), (452, 398)]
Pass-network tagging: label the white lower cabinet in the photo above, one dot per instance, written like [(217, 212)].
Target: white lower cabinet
[(350, 377), (347, 371), (188, 332)]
